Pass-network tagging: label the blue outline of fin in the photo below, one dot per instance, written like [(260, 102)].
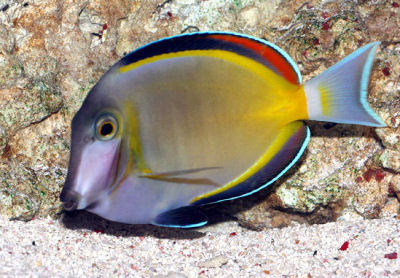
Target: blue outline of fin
[(176, 215)]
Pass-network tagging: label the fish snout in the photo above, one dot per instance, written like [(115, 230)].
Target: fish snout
[(70, 200)]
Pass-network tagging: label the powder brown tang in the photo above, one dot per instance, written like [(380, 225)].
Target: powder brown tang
[(201, 118)]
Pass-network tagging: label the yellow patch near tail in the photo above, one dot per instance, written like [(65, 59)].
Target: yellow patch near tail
[(326, 99)]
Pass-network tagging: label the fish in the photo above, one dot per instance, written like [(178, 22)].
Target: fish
[(198, 119)]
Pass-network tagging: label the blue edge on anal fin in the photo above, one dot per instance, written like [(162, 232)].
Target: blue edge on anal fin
[(183, 217), (192, 217), (288, 155)]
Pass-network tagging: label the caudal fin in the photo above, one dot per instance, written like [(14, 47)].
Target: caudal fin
[(339, 94)]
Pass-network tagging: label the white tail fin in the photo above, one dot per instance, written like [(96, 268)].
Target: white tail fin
[(339, 94)]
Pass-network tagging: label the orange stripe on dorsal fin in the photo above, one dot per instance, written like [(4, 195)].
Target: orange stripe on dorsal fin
[(273, 55)]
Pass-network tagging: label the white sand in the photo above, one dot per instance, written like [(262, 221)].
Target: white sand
[(85, 246)]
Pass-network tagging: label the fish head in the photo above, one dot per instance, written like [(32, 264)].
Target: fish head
[(97, 144)]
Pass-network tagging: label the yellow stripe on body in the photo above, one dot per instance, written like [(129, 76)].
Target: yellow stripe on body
[(136, 158), (274, 148)]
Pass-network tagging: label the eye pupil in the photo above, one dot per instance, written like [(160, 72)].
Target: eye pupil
[(106, 129)]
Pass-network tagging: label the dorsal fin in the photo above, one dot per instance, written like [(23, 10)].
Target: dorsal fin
[(262, 51), (275, 57)]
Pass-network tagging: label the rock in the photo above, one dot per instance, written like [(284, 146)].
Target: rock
[(91, 25), (3, 139), (395, 185), (391, 208), (390, 136), (381, 25), (389, 159), (20, 107), (249, 18)]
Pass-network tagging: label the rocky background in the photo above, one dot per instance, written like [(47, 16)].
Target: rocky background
[(53, 51)]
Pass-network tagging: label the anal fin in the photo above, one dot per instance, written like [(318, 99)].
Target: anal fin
[(282, 154), (183, 217)]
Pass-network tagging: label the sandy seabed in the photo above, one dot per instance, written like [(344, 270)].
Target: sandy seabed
[(86, 246)]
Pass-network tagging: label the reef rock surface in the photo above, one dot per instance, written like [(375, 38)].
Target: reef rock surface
[(53, 51)]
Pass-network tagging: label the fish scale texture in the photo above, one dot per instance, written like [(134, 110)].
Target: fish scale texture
[(47, 248)]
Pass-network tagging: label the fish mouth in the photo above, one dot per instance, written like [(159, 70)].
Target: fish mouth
[(70, 199), (91, 176)]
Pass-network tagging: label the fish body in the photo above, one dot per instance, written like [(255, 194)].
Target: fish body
[(201, 118)]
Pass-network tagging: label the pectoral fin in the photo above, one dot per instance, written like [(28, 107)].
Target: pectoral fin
[(184, 217), (171, 176), (177, 173)]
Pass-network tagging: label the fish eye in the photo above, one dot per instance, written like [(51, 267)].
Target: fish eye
[(106, 127)]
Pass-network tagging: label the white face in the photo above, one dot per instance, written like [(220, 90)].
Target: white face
[(93, 166), (96, 171)]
